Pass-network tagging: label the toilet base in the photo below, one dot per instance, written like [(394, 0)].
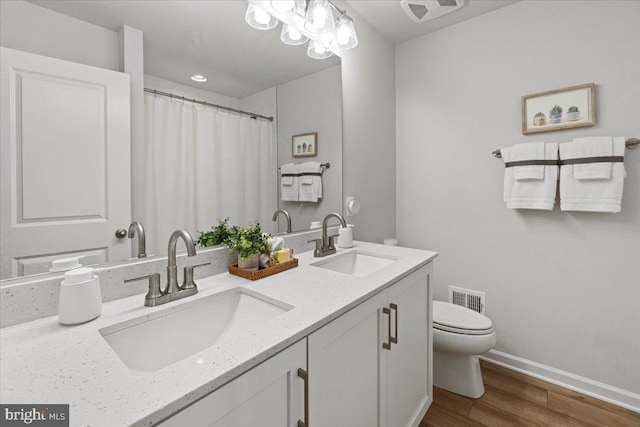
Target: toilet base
[(458, 373)]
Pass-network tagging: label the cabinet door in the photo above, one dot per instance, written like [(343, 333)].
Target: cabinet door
[(343, 361), (409, 365), (269, 395)]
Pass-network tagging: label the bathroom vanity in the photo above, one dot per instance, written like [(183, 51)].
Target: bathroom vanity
[(340, 340)]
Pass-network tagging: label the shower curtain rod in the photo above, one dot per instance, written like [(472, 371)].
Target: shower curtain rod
[(208, 104)]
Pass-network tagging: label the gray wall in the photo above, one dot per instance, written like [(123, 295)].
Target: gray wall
[(313, 104), (369, 111), (34, 29), (563, 288)]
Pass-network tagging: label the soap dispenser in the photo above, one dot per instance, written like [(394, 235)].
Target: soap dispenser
[(80, 297)]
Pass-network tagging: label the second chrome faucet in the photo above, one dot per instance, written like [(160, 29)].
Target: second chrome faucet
[(325, 245)]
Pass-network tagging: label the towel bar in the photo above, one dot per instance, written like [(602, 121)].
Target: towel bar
[(322, 165), (631, 144)]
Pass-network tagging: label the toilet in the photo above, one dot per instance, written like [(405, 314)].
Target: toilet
[(459, 336)]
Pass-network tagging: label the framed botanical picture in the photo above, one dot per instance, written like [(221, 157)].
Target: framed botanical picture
[(304, 145), (567, 108)]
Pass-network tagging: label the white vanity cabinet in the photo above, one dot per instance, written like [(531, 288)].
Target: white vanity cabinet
[(372, 366), (269, 395)]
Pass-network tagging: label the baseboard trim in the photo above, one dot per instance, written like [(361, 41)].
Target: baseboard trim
[(595, 389)]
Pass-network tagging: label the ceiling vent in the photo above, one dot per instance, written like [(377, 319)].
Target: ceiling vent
[(425, 10)]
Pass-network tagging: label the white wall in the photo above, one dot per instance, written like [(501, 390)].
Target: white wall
[(563, 289), (34, 29), (369, 111), (313, 104)]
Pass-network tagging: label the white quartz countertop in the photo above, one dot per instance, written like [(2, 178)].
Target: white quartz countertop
[(43, 362)]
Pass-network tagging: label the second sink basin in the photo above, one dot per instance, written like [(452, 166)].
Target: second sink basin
[(149, 344), (356, 263)]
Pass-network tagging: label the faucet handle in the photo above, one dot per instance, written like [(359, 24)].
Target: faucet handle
[(188, 282), (332, 240), (318, 249), (154, 287)]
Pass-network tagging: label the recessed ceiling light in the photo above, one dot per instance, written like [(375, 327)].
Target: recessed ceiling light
[(198, 78)]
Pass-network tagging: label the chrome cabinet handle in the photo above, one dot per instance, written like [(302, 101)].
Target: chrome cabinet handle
[(387, 345), (394, 340), (305, 377)]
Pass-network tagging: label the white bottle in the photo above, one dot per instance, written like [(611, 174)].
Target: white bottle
[(345, 237), (80, 297)]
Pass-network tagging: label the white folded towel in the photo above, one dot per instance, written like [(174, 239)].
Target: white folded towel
[(530, 193), (310, 189), (594, 195), (527, 151), (592, 147), (289, 184)]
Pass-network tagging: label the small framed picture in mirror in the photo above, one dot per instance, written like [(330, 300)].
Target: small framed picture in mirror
[(304, 145)]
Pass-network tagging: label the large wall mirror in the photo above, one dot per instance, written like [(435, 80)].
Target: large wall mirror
[(175, 184)]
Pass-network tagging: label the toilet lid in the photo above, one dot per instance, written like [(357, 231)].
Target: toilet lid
[(454, 318)]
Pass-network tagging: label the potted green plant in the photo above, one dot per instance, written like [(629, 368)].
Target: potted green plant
[(216, 236), (555, 114), (573, 114), (248, 242), (539, 119)]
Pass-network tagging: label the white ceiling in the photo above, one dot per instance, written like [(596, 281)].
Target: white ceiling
[(182, 38), (388, 18), (210, 37)]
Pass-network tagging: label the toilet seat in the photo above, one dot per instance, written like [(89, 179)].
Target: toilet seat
[(453, 318)]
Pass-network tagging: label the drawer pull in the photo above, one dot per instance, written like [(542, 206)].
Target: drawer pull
[(394, 340), (305, 377), (387, 345)]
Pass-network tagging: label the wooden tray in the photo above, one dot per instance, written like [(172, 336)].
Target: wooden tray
[(260, 274)]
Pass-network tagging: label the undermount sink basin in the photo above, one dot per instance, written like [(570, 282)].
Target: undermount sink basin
[(150, 343), (356, 263)]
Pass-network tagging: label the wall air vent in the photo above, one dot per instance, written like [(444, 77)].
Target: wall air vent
[(425, 10), (473, 300)]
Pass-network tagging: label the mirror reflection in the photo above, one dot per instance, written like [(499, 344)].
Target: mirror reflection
[(192, 164)]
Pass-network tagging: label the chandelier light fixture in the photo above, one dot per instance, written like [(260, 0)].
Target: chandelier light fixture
[(319, 23)]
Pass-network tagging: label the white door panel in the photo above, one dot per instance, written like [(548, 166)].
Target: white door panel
[(65, 158)]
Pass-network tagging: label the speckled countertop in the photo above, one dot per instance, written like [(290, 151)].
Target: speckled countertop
[(44, 362)]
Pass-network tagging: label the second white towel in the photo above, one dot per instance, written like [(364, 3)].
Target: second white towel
[(310, 189)]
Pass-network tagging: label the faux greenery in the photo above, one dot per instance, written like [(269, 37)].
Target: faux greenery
[(556, 110), (247, 241), (216, 236), (573, 109), (539, 114)]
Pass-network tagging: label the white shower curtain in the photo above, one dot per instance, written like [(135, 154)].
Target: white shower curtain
[(201, 165)]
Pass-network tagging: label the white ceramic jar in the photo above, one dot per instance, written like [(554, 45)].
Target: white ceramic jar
[(80, 297)]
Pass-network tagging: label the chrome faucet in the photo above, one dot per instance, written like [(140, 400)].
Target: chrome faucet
[(172, 292), (325, 245), (286, 214), (136, 227)]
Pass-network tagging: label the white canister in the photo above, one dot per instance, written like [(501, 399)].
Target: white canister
[(80, 297), (345, 237)]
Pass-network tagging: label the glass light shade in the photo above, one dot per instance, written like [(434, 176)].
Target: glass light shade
[(292, 36), (316, 50), (284, 6), (259, 18), (319, 17), (346, 37)]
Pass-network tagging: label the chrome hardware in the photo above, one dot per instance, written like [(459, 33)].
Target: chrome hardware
[(394, 340), (188, 282), (387, 345), (286, 215), (317, 251), (305, 377), (172, 269), (121, 233), (154, 288), (327, 247), (136, 227)]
